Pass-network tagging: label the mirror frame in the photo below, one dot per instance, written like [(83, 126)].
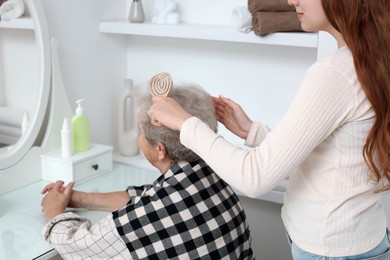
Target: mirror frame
[(11, 156)]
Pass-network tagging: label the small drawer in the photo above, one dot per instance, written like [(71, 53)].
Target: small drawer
[(79, 167), (92, 167)]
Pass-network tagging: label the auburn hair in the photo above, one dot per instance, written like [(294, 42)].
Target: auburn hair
[(365, 27)]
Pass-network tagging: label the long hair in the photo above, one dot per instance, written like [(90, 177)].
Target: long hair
[(365, 27)]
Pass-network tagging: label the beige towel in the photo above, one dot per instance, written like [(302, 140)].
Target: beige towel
[(268, 22), (269, 6)]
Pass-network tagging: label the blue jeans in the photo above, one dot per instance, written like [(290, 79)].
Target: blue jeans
[(381, 252)]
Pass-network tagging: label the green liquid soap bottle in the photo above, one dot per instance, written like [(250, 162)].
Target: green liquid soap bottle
[(80, 130)]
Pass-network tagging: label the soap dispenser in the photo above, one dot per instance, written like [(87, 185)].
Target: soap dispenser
[(136, 13), (80, 129), (127, 123)]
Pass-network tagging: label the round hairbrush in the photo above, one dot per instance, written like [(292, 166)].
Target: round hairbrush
[(160, 84)]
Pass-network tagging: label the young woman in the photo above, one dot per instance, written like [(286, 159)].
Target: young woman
[(333, 142)]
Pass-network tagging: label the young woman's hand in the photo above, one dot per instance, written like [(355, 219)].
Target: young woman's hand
[(56, 199), (166, 111), (232, 116)]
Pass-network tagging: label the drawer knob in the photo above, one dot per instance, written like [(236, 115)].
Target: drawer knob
[(95, 167)]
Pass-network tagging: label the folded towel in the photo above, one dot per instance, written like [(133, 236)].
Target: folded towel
[(242, 19), (268, 22), (269, 6), (12, 9)]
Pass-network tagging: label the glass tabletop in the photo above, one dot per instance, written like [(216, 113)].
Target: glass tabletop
[(21, 218)]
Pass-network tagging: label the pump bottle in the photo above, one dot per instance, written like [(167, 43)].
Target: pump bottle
[(66, 139), (80, 129)]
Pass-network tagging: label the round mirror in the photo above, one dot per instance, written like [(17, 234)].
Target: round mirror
[(24, 91)]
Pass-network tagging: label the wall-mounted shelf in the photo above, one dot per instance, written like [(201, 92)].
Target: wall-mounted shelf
[(20, 23), (209, 32)]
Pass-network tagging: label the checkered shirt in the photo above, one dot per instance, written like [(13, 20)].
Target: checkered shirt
[(74, 237), (187, 213)]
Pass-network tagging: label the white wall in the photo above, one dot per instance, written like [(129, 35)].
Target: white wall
[(93, 64), (263, 79)]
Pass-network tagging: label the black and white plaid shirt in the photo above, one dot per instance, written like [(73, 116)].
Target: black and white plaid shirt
[(187, 213)]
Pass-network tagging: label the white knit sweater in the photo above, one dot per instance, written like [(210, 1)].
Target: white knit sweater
[(330, 207)]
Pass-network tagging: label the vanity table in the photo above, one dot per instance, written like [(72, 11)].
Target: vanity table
[(22, 221), (21, 218)]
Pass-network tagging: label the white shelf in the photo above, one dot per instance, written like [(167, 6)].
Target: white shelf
[(20, 23), (208, 32)]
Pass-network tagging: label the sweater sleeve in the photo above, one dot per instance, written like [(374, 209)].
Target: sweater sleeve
[(323, 102), (256, 134)]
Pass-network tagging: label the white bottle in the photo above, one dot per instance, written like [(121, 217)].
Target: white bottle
[(25, 122), (127, 123), (66, 139)]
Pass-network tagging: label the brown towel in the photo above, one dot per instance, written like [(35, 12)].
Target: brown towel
[(268, 22), (269, 6)]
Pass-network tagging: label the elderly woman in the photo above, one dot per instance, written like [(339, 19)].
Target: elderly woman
[(187, 213)]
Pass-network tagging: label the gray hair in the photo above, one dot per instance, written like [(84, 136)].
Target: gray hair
[(196, 101)]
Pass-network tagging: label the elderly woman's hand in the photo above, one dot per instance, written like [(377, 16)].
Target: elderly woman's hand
[(50, 186), (56, 200), (166, 111)]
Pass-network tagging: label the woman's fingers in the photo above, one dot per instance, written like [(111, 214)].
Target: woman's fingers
[(58, 184), (47, 188), (68, 189)]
